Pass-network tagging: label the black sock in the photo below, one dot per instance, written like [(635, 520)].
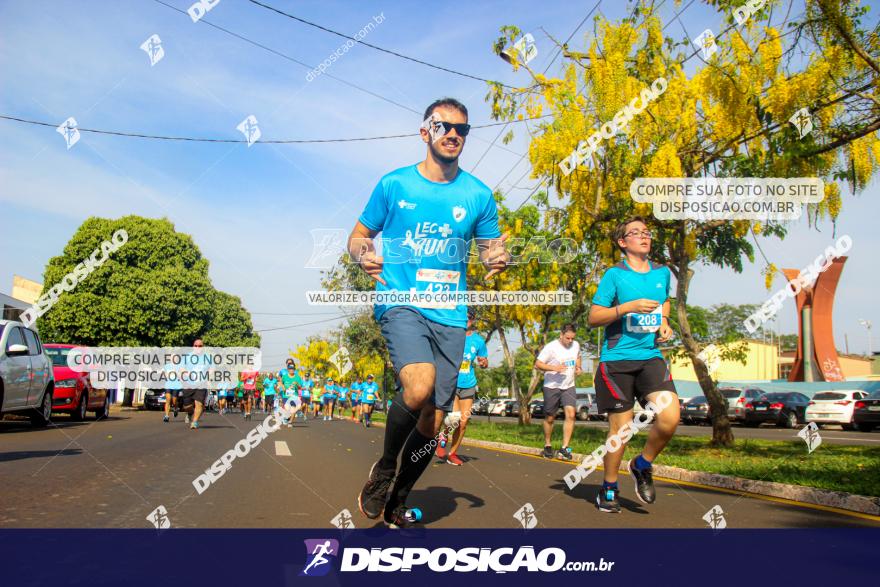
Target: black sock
[(417, 455), (399, 423)]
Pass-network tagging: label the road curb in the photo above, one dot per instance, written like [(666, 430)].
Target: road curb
[(797, 493), (810, 495)]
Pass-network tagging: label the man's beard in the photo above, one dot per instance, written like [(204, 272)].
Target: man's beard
[(440, 156)]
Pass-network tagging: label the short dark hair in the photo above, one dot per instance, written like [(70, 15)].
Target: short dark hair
[(620, 231), (452, 102), (569, 327)]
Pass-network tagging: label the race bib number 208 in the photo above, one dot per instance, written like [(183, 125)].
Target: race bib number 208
[(645, 322)]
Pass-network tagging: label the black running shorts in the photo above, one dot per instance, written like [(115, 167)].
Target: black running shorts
[(620, 383), (194, 395)]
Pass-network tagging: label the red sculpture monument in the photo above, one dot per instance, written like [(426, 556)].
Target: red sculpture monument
[(816, 358)]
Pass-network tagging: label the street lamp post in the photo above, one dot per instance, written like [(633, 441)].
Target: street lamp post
[(867, 325)]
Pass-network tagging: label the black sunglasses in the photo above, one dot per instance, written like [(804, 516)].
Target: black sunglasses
[(462, 128)]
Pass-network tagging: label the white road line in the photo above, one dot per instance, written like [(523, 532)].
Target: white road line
[(281, 449)]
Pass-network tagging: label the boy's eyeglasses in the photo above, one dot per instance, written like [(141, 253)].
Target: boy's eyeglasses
[(643, 233)]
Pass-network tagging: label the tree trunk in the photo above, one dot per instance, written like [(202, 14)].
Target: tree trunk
[(525, 416), (508, 356), (722, 435)]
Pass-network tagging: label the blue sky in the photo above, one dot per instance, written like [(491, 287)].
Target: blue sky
[(250, 210)]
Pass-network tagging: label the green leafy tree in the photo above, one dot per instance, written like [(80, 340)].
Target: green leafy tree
[(788, 342), (230, 323), (153, 291)]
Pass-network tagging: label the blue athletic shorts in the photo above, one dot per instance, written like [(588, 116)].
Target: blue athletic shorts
[(412, 338)]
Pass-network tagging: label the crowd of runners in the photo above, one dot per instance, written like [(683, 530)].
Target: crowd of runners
[(290, 393), (434, 349)]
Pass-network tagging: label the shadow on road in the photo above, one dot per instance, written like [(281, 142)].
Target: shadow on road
[(588, 493), (437, 503), (19, 424), (35, 454), (13, 426), (207, 427)]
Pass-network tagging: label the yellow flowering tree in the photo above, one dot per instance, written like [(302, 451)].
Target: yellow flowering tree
[(541, 261), (315, 356), (728, 118)]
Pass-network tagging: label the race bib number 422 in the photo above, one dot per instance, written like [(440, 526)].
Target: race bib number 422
[(645, 322), (441, 285)]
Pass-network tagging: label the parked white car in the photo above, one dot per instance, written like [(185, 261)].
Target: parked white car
[(834, 407), (499, 407), (27, 381)]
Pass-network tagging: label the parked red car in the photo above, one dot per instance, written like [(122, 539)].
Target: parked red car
[(73, 392)]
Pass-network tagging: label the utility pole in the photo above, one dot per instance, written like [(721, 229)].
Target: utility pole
[(867, 325)]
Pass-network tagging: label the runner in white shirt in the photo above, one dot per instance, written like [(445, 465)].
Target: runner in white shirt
[(560, 361)]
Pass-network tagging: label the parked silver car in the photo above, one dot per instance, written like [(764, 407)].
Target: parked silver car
[(481, 406), (26, 378), (737, 399), (584, 402), (593, 408)]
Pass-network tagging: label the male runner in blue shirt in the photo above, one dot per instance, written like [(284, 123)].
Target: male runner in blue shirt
[(428, 215), (356, 388), (269, 388), (632, 303), (369, 396), (329, 399), (195, 372), (341, 397), (305, 393)]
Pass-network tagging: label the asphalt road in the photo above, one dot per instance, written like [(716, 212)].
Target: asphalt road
[(114, 473), (832, 433)]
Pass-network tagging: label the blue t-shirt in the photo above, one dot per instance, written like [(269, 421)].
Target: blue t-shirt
[(356, 391), (269, 386), (330, 391), (196, 365), (474, 347), (369, 392), (172, 377), (427, 229), (306, 388), (342, 392), (633, 336)]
